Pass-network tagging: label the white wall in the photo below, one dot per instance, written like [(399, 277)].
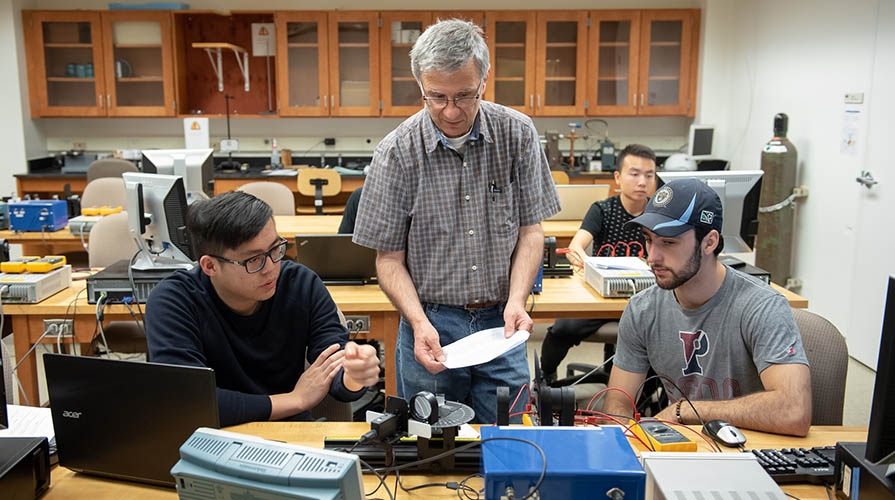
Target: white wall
[(800, 57)]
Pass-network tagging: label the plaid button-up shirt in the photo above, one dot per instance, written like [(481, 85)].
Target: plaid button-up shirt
[(457, 215)]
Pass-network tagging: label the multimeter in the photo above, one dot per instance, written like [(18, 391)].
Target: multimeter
[(45, 264), (16, 266)]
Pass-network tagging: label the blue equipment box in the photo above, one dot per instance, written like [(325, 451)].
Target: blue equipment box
[(4, 215), (582, 462), (38, 215)]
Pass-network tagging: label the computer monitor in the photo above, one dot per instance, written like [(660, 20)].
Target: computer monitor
[(196, 166), (739, 191), (881, 431), (700, 143), (156, 217)]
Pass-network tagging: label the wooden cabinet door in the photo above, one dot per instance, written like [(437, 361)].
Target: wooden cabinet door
[(613, 56), (401, 96), (354, 63), (668, 58), (65, 63), (302, 67), (561, 60), (511, 42), (138, 62)]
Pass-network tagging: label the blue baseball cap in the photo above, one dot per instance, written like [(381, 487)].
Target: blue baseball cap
[(679, 206)]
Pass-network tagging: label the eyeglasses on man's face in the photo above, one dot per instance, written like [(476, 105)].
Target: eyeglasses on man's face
[(462, 102), (256, 263)]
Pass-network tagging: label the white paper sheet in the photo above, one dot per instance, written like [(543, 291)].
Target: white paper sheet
[(29, 421), (481, 347)]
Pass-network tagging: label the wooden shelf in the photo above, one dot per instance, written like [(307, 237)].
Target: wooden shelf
[(664, 78), (560, 79), (403, 79), (300, 45), (612, 78), (137, 46), (139, 79), (615, 44), (355, 45), (70, 79), (665, 44), (509, 79), (519, 45), (68, 45), (552, 45)]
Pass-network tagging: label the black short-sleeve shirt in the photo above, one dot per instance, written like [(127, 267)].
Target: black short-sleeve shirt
[(605, 220)]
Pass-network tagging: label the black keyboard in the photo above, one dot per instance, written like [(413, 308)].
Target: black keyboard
[(799, 465)]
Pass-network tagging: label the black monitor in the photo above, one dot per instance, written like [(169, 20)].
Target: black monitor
[(739, 191), (881, 432), (156, 217)]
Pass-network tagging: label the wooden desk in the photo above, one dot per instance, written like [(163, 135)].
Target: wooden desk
[(66, 484), (560, 298), (63, 241)]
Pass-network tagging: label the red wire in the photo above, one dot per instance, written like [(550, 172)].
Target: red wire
[(633, 404)]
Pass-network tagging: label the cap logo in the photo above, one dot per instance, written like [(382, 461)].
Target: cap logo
[(706, 217), (663, 196)]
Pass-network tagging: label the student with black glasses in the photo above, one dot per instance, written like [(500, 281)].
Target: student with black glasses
[(254, 319)]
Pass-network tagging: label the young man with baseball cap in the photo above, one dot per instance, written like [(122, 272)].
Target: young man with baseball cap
[(726, 340)]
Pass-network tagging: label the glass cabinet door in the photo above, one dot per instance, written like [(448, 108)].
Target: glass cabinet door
[(666, 58), (401, 95), (511, 41), (561, 56), (67, 74), (613, 45), (354, 52), (139, 76), (303, 74)]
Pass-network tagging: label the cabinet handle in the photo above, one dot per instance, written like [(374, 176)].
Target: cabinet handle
[(634, 99), (539, 101), (99, 100), (531, 101), (109, 101), (641, 100), (325, 101)]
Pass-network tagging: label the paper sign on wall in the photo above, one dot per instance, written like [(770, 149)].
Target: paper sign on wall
[(195, 133), (263, 41)]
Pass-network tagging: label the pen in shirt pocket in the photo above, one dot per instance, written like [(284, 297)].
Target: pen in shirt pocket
[(493, 188)]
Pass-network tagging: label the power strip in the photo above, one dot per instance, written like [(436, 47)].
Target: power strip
[(661, 436)]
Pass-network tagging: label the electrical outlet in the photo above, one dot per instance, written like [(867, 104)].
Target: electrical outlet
[(358, 324), (65, 327)]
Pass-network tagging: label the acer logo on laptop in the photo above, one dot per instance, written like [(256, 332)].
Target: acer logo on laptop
[(71, 414)]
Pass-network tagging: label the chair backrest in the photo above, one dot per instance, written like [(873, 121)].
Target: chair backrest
[(576, 199), (110, 241), (319, 183), (279, 197), (332, 187), (559, 177), (109, 167), (827, 353), (104, 191)]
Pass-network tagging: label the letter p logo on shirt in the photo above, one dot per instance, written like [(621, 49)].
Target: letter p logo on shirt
[(696, 344)]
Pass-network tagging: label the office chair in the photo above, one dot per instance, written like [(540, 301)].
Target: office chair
[(559, 177), (104, 191), (109, 167), (110, 242), (350, 214), (827, 354), (279, 197), (319, 183)]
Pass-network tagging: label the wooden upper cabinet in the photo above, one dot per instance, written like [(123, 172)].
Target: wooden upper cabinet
[(643, 62), (111, 63), (538, 61), (401, 96), (302, 68), (561, 60), (354, 63), (139, 75), (65, 63), (511, 42)]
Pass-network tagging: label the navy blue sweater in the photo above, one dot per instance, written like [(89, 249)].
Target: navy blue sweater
[(253, 356)]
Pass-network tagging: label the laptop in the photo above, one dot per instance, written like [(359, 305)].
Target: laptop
[(336, 259), (126, 419), (576, 199)]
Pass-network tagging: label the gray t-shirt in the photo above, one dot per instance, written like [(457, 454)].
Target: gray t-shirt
[(716, 351)]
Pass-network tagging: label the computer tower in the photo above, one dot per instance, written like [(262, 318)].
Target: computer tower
[(24, 467)]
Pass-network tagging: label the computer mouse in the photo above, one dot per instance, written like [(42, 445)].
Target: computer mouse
[(724, 433)]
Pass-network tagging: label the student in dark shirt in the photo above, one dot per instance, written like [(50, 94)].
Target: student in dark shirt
[(254, 319), (604, 226)]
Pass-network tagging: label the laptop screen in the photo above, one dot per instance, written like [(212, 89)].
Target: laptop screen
[(126, 419), (336, 259)]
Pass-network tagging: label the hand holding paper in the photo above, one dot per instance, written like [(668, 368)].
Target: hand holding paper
[(481, 347)]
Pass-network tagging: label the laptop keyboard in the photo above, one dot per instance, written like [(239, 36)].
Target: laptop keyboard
[(799, 465)]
